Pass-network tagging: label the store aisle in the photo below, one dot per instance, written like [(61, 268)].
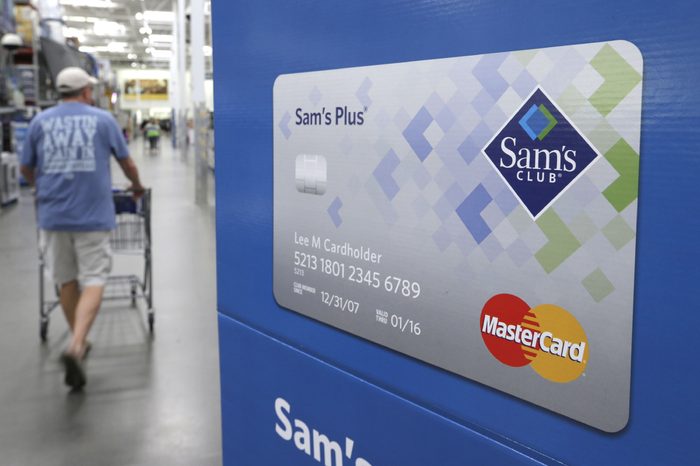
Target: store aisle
[(147, 402)]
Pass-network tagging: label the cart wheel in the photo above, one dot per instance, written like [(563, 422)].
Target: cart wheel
[(151, 321), (43, 330)]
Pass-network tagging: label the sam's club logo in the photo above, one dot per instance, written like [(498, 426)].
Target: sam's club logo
[(539, 153)]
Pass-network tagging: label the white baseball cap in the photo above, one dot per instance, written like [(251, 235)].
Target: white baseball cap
[(73, 79)]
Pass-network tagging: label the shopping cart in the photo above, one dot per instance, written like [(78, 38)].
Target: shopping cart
[(132, 236)]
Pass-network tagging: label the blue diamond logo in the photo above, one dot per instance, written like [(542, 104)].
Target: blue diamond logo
[(538, 122), (539, 153)]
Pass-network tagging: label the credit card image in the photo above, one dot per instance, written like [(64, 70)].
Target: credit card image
[(478, 216)]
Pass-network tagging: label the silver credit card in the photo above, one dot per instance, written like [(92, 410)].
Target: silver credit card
[(478, 213)]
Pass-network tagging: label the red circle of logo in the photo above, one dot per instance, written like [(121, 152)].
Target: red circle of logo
[(510, 310)]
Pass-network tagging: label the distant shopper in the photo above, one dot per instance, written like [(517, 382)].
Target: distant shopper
[(67, 155), (153, 134)]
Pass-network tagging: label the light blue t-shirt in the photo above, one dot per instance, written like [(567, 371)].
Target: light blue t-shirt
[(70, 147)]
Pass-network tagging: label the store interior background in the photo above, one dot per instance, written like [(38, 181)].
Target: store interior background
[(150, 399)]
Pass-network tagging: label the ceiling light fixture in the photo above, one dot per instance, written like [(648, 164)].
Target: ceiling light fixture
[(113, 48), (109, 28), (75, 19), (156, 53), (117, 47), (89, 3), (158, 16), (162, 38)]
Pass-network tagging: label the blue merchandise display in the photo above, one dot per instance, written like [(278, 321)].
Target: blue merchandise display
[(303, 387), (7, 16)]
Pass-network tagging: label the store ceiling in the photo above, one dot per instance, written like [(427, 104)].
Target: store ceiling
[(130, 33)]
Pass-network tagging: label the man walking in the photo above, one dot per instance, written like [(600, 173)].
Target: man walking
[(152, 131), (67, 155)]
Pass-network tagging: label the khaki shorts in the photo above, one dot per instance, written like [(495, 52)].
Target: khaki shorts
[(82, 255)]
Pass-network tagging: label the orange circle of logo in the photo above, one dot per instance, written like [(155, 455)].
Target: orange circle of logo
[(547, 337)]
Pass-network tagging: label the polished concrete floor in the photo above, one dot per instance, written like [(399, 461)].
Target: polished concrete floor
[(148, 401)]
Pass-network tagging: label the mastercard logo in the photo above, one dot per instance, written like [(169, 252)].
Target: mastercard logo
[(546, 337)]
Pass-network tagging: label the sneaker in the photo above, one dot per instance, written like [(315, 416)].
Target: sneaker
[(75, 375)]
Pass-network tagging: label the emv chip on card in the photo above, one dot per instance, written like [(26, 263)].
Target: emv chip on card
[(311, 174)]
